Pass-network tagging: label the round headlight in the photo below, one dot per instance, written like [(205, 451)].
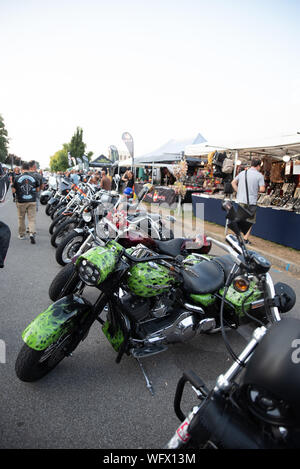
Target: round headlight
[(87, 216), (88, 273)]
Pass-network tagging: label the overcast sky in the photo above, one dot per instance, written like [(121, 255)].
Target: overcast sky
[(159, 69)]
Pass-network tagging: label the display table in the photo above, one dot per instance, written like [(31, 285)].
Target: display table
[(277, 225), (159, 195)]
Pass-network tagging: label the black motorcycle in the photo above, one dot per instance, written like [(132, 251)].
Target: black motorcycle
[(261, 410), (255, 403)]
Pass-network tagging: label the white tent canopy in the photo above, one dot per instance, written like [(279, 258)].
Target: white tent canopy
[(275, 147)]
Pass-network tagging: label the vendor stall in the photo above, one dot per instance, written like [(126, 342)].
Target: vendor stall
[(278, 210)]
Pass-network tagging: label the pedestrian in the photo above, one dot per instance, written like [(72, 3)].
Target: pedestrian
[(39, 176), (248, 184), (5, 233), (14, 173), (128, 178), (75, 177), (26, 186), (105, 182)]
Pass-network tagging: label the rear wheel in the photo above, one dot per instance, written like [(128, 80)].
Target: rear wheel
[(58, 288), (68, 248), (32, 365)]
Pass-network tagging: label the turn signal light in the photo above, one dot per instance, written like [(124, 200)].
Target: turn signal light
[(241, 284)]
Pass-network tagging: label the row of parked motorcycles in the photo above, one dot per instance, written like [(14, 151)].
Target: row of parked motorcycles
[(155, 290)]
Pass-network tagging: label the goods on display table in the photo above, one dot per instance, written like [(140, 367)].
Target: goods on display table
[(278, 212)]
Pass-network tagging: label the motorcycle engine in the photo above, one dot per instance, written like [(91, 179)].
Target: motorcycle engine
[(143, 309)]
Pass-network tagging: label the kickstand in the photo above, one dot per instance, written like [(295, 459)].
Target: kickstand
[(148, 382)]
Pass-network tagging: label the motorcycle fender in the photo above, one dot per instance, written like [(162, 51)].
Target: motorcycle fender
[(46, 193), (48, 326), (52, 201)]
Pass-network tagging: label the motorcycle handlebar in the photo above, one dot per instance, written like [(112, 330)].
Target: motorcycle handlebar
[(216, 420), (227, 427)]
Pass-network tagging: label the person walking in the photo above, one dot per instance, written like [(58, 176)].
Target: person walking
[(26, 186), (105, 182), (37, 175), (248, 184), (5, 232)]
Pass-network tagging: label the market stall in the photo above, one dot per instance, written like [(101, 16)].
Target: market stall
[(278, 214)]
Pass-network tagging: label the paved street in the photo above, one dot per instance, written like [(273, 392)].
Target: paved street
[(89, 401)]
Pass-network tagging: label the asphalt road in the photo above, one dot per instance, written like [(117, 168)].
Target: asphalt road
[(89, 401)]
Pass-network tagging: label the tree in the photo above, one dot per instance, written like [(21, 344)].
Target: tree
[(13, 160), (77, 146), (59, 161), (3, 141)]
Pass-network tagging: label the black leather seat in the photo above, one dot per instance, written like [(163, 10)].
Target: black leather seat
[(171, 247), (226, 263), (204, 277)]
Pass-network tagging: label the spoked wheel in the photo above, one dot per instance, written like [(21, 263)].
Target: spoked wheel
[(68, 248), (32, 365)]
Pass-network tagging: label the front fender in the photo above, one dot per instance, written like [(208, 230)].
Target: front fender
[(48, 326)]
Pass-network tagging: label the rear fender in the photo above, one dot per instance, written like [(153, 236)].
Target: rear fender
[(48, 326)]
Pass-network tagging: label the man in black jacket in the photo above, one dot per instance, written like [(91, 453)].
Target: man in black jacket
[(26, 186)]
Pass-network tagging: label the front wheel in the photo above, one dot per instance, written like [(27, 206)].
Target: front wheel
[(68, 248), (32, 365), (62, 231), (66, 277)]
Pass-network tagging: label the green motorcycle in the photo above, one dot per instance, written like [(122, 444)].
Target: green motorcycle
[(147, 301)]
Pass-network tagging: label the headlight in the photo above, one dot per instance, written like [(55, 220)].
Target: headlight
[(87, 216), (88, 273)]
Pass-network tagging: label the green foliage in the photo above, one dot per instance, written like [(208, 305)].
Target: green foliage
[(77, 146), (59, 161), (3, 141)]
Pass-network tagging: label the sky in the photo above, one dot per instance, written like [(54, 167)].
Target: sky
[(159, 69)]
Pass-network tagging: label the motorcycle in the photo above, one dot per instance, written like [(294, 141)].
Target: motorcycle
[(104, 219), (49, 191), (147, 301), (258, 411)]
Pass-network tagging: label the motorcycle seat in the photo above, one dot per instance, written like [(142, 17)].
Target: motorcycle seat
[(204, 277), (172, 247)]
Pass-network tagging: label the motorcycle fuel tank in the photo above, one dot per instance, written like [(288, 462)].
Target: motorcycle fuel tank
[(148, 279)]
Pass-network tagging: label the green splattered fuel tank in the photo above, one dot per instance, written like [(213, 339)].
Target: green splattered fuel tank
[(148, 279)]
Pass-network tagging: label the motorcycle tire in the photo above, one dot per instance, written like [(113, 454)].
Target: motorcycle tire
[(56, 222), (68, 247), (60, 280), (49, 208), (32, 365), (57, 210), (44, 199), (62, 231)]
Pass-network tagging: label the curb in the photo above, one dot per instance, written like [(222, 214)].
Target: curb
[(275, 261)]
